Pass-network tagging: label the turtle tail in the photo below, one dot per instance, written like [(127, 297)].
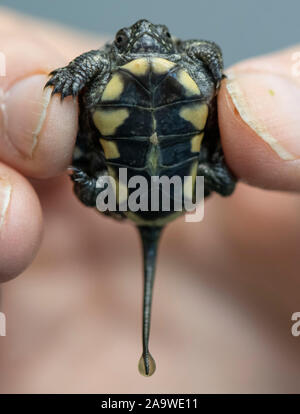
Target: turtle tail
[(150, 237)]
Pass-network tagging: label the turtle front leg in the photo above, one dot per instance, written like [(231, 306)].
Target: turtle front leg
[(71, 79), (217, 176), (208, 52)]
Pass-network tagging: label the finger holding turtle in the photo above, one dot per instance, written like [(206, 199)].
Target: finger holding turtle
[(38, 131), (36, 135)]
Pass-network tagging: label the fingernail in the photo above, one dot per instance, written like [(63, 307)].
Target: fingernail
[(5, 195), (25, 107), (270, 105)]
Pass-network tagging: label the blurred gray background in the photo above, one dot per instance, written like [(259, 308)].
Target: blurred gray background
[(243, 28)]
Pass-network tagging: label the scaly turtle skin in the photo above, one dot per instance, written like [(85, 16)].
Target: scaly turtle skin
[(148, 105)]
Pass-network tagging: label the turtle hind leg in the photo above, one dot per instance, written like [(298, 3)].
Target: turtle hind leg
[(217, 176), (150, 237), (85, 186), (86, 169)]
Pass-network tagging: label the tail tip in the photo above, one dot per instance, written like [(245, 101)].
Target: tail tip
[(147, 365)]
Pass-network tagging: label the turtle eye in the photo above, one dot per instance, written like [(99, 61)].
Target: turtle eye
[(168, 35), (121, 38)]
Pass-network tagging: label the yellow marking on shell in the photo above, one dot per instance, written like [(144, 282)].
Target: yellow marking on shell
[(113, 89), (161, 66), (154, 139), (137, 67), (196, 142), (190, 86), (154, 123), (152, 160), (107, 121), (189, 183), (196, 114), (110, 149), (121, 188)]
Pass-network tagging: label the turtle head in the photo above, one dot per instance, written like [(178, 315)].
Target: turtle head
[(144, 37)]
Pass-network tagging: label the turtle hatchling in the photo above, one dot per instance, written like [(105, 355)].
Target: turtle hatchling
[(147, 108)]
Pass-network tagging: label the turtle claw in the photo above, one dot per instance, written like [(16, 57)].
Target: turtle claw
[(79, 176), (71, 79), (64, 82)]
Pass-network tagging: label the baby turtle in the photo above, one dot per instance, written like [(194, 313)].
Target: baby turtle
[(147, 104)]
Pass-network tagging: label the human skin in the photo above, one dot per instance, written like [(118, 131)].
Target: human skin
[(225, 288)]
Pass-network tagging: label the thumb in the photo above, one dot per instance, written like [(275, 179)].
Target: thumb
[(259, 117)]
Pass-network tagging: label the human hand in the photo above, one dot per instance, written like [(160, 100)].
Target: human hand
[(225, 288)]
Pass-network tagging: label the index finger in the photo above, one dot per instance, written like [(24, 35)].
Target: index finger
[(37, 132)]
